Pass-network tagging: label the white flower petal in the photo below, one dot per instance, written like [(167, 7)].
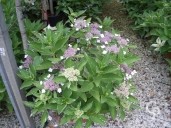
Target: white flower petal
[(117, 34), (48, 76), (102, 35), (41, 82), (49, 118), (106, 43), (59, 90), (48, 27), (100, 26), (69, 45), (25, 56), (20, 67), (98, 41), (95, 37), (104, 52), (43, 90), (103, 46), (50, 70), (61, 57), (157, 49), (154, 45)]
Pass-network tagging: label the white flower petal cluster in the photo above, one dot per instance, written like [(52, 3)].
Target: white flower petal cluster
[(71, 74), (43, 91), (129, 76), (123, 90), (51, 28), (159, 44)]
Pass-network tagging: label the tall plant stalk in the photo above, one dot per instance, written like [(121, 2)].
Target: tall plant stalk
[(21, 23)]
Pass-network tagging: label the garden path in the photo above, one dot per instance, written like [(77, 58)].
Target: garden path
[(153, 82), (153, 79)]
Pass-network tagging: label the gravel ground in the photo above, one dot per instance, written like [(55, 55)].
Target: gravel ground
[(153, 83)]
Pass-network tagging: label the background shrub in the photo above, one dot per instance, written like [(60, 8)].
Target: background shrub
[(152, 20)]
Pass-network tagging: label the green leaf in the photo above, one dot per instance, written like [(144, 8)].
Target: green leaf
[(65, 119), (54, 60), (33, 91), (98, 119), (121, 113), (59, 79), (33, 112), (88, 123), (91, 64), (36, 46), (51, 106), (2, 88), (61, 43), (38, 103), (110, 69), (110, 77), (61, 107), (9, 107), (74, 87), (29, 104), (78, 123), (2, 96), (95, 94), (81, 64), (44, 118), (32, 71), (44, 65), (112, 102), (26, 83), (87, 106), (23, 74), (113, 112), (67, 93), (103, 99), (98, 106), (37, 60), (85, 86), (69, 63), (97, 80), (83, 96), (133, 99)]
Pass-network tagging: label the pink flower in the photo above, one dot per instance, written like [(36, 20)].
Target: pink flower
[(123, 42), (94, 25), (113, 49), (58, 66), (125, 68), (89, 36), (80, 24), (27, 62), (50, 85), (107, 37), (70, 52), (95, 31)]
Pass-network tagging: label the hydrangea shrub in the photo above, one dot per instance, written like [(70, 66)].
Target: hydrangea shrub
[(81, 73)]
